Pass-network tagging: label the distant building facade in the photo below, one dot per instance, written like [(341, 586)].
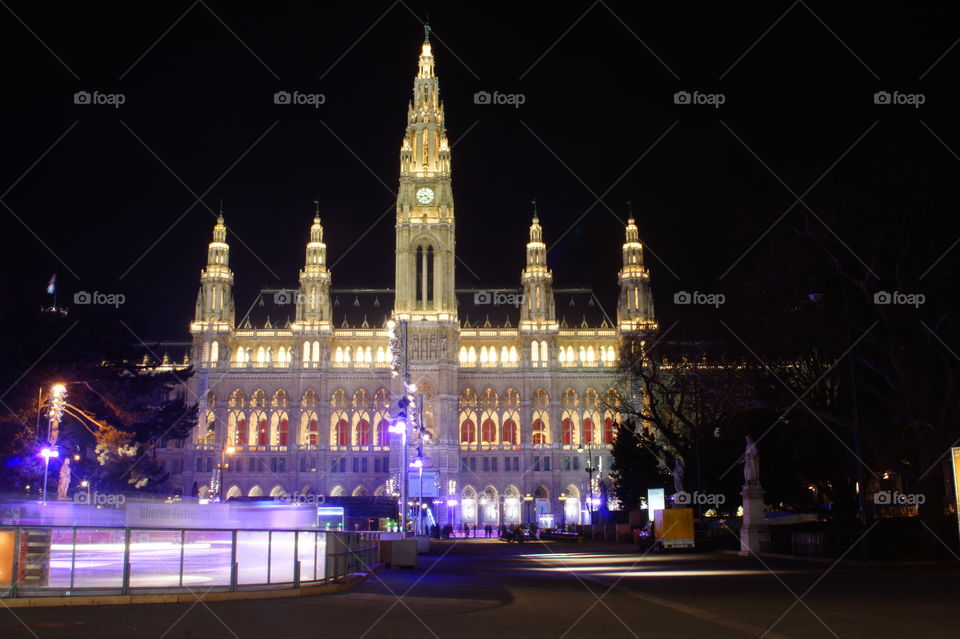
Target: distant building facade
[(514, 407)]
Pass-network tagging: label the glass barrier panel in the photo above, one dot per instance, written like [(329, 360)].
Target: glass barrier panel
[(154, 558), (61, 557), (281, 557), (8, 538), (322, 556), (252, 556), (34, 560), (75, 558), (206, 558), (99, 559), (307, 555)]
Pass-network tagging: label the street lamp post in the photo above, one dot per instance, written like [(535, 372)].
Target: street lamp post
[(216, 482), (420, 501), (58, 395), (400, 366), (590, 469)]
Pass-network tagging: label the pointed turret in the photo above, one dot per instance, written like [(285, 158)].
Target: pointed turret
[(425, 220), (538, 304), (635, 308), (215, 299), (313, 306)]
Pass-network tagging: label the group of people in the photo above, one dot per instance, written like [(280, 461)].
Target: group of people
[(466, 530)]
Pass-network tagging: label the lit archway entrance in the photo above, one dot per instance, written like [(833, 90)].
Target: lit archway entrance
[(490, 506), (571, 506), (543, 507), (468, 505), (511, 505)]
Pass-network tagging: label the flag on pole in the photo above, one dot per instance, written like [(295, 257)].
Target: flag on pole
[(52, 284)]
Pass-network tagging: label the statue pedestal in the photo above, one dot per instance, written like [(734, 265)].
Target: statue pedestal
[(754, 534)]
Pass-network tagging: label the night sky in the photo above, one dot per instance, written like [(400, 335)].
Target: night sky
[(115, 199)]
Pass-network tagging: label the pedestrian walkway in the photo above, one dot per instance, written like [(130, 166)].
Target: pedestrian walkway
[(472, 588)]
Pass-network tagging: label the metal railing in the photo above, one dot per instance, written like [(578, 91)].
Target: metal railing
[(37, 561)]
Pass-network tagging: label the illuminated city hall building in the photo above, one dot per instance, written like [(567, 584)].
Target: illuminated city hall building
[(514, 390)]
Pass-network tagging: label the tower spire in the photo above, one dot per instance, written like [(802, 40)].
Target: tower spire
[(313, 307), (538, 304), (215, 298), (425, 220), (635, 307)]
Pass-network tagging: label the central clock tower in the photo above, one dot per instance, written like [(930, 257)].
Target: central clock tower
[(425, 222)]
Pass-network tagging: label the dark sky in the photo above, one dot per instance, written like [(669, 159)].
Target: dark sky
[(598, 81)]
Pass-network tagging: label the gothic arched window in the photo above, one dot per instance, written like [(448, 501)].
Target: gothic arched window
[(468, 417), (263, 431), (420, 265), (383, 433), (363, 433), (468, 432), (609, 430), (430, 276), (587, 431), (240, 438), (489, 432), (539, 432), (342, 433), (510, 432), (541, 418)]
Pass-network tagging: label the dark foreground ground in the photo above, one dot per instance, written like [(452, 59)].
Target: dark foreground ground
[(491, 589)]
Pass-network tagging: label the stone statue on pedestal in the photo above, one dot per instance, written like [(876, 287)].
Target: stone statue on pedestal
[(677, 476), (751, 463), (64, 484), (754, 532)]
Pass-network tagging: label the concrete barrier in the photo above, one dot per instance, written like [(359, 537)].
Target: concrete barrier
[(399, 553)]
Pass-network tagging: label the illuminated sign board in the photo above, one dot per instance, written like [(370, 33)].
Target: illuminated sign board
[(431, 483), (655, 500)]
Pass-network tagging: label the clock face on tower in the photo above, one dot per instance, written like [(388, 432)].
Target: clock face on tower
[(425, 195)]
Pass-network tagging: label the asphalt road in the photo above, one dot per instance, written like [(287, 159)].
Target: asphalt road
[(488, 588)]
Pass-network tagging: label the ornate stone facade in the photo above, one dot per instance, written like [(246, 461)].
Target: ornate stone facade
[(514, 409)]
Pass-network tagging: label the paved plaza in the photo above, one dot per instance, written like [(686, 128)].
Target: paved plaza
[(488, 588)]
